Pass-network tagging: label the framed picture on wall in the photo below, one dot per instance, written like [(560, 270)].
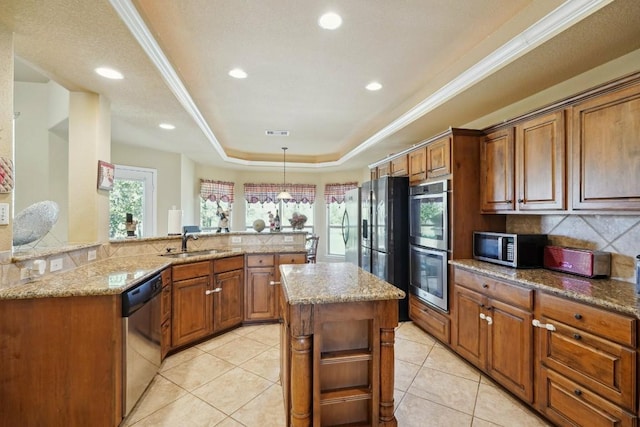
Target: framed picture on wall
[(105, 175)]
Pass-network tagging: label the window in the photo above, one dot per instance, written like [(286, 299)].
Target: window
[(134, 192), (262, 200), (334, 197), (215, 197)]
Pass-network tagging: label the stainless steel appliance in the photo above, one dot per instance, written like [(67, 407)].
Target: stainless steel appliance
[(384, 227), (429, 242), (351, 226), (429, 278), (428, 221), (513, 250), (141, 317)]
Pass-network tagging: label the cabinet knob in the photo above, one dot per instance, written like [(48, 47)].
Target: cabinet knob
[(577, 336), (481, 305), (577, 392), (273, 283), (520, 200), (484, 285), (508, 201), (578, 316)]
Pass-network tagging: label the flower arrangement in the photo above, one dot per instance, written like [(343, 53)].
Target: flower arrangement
[(297, 221)]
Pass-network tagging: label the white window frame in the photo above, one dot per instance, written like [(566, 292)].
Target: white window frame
[(150, 180), (329, 228)]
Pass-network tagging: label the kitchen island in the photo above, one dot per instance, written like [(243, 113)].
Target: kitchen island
[(337, 345)]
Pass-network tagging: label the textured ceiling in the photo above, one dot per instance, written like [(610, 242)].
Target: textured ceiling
[(302, 78)]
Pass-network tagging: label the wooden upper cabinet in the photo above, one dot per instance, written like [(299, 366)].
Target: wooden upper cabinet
[(496, 171), (418, 165), (439, 158), (606, 151), (399, 166), (384, 170), (540, 163), (374, 173)]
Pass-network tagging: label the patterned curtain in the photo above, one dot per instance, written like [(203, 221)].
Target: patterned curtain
[(334, 193), (261, 193), (216, 190)]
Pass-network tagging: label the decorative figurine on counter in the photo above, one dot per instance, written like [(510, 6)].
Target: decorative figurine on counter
[(131, 226), (272, 222), (223, 222)]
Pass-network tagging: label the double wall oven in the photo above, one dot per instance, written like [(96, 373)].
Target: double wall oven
[(429, 242)]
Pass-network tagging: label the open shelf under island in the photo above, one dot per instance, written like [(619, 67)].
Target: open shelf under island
[(337, 345)]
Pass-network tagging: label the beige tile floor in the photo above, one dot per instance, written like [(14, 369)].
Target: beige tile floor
[(232, 381)]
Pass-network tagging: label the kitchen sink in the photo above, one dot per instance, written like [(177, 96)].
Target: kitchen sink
[(190, 254)]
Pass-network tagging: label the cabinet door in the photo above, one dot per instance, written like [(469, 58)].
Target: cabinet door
[(384, 170), (469, 338), (496, 171), (439, 158), (399, 166), (418, 165), (192, 307), (605, 149), (510, 348), (260, 297), (227, 299), (432, 321), (540, 163)]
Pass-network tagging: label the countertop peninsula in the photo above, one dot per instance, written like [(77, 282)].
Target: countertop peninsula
[(606, 293)]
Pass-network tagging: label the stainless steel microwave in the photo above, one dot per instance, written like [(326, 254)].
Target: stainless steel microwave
[(513, 250)]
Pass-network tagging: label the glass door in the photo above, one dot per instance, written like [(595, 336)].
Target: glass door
[(428, 280)]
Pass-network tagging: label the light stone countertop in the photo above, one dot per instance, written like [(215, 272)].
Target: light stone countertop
[(611, 294), (113, 275), (326, 283)]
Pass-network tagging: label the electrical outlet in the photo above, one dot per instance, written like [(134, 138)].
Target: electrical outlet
[(4, 213), (288, 239), (25, 273), (236, 239), (236, 250), (55, 264), (91, 255)]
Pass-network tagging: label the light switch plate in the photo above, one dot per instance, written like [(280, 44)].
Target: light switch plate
[(91, 255), (236, 239), (55, 264), (4, 213)]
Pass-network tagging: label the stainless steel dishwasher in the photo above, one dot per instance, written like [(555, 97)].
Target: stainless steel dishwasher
[(141, 319)]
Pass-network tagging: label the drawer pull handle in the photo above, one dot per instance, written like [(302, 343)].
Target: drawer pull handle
[(578, 316), (273, 283), (483, 316), (577, 336), (547, 326), (489, 320), (577, 392), (213, 291)]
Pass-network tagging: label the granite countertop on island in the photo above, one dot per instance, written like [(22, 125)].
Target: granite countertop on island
[(607, 293), (326, 283)]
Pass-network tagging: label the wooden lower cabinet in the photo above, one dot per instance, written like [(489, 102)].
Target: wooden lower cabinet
[(431, 320), (165, 313), (495, 335), (263, 285), (228, 299), (61, 361)]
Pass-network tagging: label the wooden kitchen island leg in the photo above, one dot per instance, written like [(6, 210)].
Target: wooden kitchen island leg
[(387, 338), (301, 370)]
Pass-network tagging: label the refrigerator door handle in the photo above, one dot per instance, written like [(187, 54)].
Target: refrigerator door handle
[(365, 234), (345, 219)]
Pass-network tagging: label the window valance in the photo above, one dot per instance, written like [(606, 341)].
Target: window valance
[(261, 193), (334, 193), (216, 190)]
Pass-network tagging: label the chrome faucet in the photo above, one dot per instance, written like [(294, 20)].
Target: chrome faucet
[(185, 237)]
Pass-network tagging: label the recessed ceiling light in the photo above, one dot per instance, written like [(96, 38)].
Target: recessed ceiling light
[(238, 73), (330, 21), (373, 86), (167, 126), (109, 73)]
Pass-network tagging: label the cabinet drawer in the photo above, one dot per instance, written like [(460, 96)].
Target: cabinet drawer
[(567, 404), (603, 366), (188, 271), (292, 259), (438, 325), (260, 260), (613, 326), (506, 292), (228, 264)]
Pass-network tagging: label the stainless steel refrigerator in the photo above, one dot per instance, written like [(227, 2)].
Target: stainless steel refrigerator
[(385, 233), (351, 226)]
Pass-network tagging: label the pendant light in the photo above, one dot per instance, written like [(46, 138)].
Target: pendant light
[(284, 194)]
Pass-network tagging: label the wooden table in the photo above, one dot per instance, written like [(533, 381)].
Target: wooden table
[(337, 345)]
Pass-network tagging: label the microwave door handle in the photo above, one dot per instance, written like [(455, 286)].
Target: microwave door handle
[(500, 248)]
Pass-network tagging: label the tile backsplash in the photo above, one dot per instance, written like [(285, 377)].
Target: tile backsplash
[(617, 234)]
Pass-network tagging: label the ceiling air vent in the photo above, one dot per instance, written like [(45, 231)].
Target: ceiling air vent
[(277, 132)]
